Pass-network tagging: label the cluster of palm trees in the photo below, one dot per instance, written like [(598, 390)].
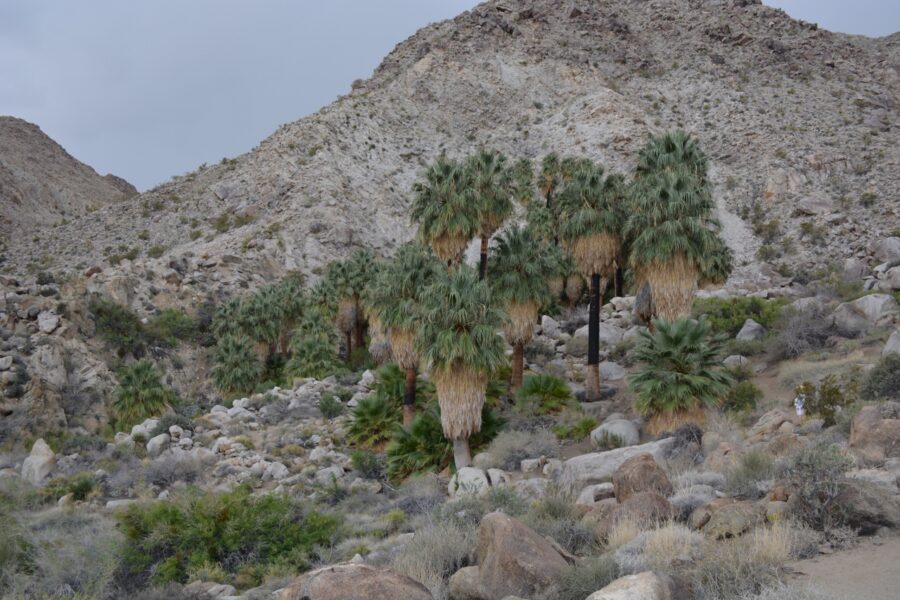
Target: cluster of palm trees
[(580, 224)]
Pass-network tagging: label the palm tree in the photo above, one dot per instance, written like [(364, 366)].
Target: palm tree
[(395, 296), (141, 394), (237, 368), (444, 208), (680, 373), (592, 214), (458, 340), (673, 236), (520, 272), (348, 278), (494, 185), (312, 348)]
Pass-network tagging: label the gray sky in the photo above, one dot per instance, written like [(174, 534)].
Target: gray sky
[(148, 89)]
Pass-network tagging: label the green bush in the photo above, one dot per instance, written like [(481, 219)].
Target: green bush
[(234, 530), (313, 349), (169, 419), (172, 326), (577, 429), (118, 326), (79, 485), (883, 381), (237, 369), (422, 447), (583, 579), (828, 398), (509, 448), (680, 369), (727, 315), (751, 468), (742, 397), (367, 464), (542, 395), (141, 394), (374, 420), (330, 406)]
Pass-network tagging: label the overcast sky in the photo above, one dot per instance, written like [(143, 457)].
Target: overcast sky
[(147, 89)]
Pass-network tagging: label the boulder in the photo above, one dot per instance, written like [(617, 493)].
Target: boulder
[(736, 360), (5, 362), (892, 344), (873, 438), (857, 317), (644, 509), (597, 467), (354, 582), (158, 444), (853, 270), (550, 327), (866, 507), (886, 249), (731, 520), (641, 586), (610, 335), (623, 429), (469, 481), (770, 423), (638, 474), (610, 371), (594, 493), (513, 559), (465, 584), (39, 463), (891, 280), (47, 321), (751, 331)]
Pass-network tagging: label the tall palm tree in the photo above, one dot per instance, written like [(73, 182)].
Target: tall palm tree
[(237, 369), (494, 186), (674, 236), (312, 347), (458, 340), (520, 271), (395, 296), (141, 394), (592, 212), (444, 208), (348, 278)]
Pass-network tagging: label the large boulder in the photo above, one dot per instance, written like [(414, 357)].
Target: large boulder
[(465, 584), (638, 474), (550, 327), (751, 331), (596, 467), (891, 280), (354, 582), (513, 559), (623, 431), (873, 438), (643, 509), (469, 481), (734, 519), (39, 463), (771, 423), (866, 506), (640, 586), (892, 344), (886, 249), (857, 317)]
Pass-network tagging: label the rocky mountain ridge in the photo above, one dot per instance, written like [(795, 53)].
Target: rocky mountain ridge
[(799, 124)]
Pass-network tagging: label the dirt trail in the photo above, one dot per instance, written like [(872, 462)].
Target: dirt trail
[(866, 572)]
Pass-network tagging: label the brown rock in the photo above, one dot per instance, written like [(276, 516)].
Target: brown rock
[(513, 559), (873, 438), (732, 520), (597, 519), (640, 474), (779, 493), (644, 509), (355, 582), (770, 423), (465, 584), (865, 506)]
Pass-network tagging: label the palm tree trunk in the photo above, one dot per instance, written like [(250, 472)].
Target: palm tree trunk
[(482, 265), (593, 358), (620, 282), (409, 397), (349, 346), (462, 457), (518, 365)]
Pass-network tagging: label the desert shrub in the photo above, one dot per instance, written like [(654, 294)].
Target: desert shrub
[(799, 331), (79, 485), (583, 579), (374, 420), (727, 315), (542, 395), (750, 469), (556, 516), (816, 475), (680, 370), (434, 554), (574, 425), (232, 530), (167, 470), (422, 446), (742, 397), (509, 448), (172, 326), (663, 550), (367, 464), (313, 349), (745, 347), (141, 394), (168, 420), (79, 443), (330, 406), (882, 382), (237, 369), (829, 397), (609, 441), (119, 327)]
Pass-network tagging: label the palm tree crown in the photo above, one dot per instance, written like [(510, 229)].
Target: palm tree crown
[(445, 209)]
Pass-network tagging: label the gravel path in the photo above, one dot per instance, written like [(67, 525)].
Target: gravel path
[(870, 571)]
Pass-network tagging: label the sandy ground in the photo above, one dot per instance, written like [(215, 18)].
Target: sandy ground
[(870, 571)]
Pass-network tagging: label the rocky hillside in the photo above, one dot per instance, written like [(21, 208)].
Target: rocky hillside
[(799, 123), (42, 185)]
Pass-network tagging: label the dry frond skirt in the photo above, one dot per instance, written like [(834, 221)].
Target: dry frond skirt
[(346, 314), (460, 393), (574, 287), (672, 285), (449, 247), (556, 286), (670, 421), (522, 318), (595, 254), (403, 347)]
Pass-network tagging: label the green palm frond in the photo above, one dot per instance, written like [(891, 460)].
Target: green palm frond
[(444, 203), (313, 348), (395, 293), (669, 151), (237, 368), (141, 394), (680, 368), (494, 184), (591, 204), (374, 420), (521, 267)]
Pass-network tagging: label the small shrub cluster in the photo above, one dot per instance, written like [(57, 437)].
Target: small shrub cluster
[(511, 447), (141, 394), (829, 397), (727, 315), (330, 407), (742, 397), (799, 331), (882, 382), (816, 476), (583, 579), (542, 395), (750, 469), (576, 427)]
